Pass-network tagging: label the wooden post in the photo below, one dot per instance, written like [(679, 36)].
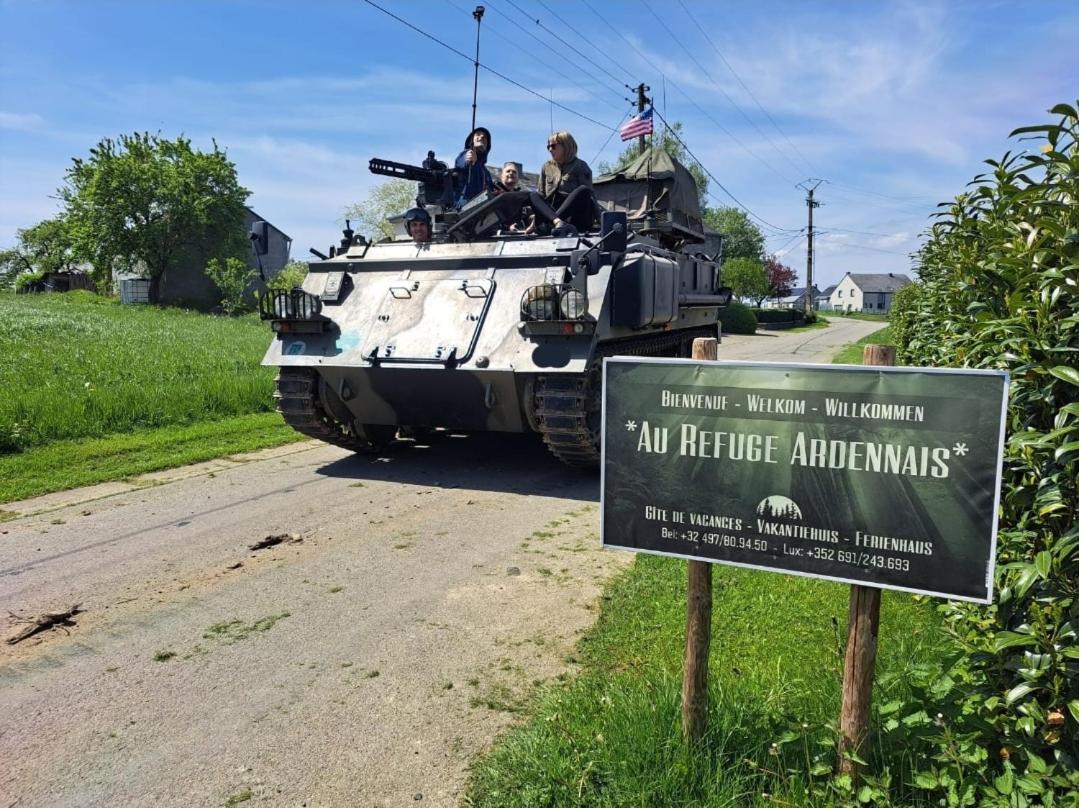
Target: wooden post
[(698, 619), (862, 628)]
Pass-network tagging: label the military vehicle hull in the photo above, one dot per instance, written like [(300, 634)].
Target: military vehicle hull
[(495, 335)]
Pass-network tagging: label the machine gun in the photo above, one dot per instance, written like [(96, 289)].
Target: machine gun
[(435, 179)]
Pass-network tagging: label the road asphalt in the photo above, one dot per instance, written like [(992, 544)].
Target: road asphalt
[(410, 605)]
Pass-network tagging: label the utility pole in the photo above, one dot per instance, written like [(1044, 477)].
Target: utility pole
[(641, 101), (810, 203)]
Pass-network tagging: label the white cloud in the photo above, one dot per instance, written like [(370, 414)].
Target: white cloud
[(21, 121)]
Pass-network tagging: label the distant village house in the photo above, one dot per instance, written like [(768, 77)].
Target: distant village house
[(872, 293)]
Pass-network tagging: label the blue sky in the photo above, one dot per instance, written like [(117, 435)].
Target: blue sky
[(895, 105)]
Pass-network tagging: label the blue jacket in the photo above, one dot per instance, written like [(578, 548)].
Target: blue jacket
[(470, 180), (469, 184)]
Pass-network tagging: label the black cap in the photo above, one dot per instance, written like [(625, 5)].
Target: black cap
[(417, 215), (468, 140)]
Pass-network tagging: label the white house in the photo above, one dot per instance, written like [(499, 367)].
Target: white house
[(795, 300), (867, 292)]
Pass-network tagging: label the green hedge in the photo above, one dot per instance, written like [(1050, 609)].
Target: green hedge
[(778, 315), (737, 318), (999, 288)]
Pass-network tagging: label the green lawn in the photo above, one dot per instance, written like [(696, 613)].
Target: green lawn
[(612, 735), (78, 365), (852, 354), (96, 391), (86, 461)]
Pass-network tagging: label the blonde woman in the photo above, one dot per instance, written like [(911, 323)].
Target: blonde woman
[(565, 182)]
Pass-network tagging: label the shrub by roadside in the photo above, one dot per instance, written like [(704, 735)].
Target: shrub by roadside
[(737, 318), (999, 288)]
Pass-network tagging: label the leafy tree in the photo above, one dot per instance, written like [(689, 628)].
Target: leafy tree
[(45, 247), (742, 238), (781, 278), (670, 144), (231, 277), (144, 203), (746, 277), (388, 199), (290, 276)]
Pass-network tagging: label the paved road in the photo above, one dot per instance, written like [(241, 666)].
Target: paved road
[(364, 660)]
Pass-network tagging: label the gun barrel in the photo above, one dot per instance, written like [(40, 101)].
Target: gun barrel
[(404, 171)]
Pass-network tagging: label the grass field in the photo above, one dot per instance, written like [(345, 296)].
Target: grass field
[(852, 354), (77, 365), (96, 391), (612, 736)]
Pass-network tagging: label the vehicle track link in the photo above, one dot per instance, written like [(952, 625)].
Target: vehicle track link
[(296, 398), (567, 406)]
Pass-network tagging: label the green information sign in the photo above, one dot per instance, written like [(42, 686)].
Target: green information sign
[(880, 476)]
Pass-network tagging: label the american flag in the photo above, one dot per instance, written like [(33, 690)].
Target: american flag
[(639, 124)]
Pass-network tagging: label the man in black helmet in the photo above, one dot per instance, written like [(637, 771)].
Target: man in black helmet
[(470, 175), (418, 225)]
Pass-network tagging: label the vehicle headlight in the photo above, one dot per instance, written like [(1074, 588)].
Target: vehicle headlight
[(573, 304), (292, 305)]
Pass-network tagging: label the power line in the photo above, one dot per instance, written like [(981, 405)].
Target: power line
[(536, 20), (690, 98), (911, 199), (564, 75), (625, 117), (744, 87), (490, 70), (573, 28), (863, 246), (701, 67), (795, 237), (674, 134), (560, 56)]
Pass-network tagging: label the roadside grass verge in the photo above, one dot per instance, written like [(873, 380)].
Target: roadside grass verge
[(612, 736), (820, 323), (852, 354), (72, 463), (78, 365), (860, 315)]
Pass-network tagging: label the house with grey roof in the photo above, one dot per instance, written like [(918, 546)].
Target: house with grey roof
[(871, 293), (795, 300)]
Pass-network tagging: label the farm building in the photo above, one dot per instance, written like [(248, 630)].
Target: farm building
[(867, 292), (188, 285)]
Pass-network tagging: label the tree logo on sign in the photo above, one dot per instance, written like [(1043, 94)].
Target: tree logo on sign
[(778, 506)]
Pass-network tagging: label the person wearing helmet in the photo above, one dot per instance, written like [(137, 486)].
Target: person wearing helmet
[(418, 225), (470, 175)]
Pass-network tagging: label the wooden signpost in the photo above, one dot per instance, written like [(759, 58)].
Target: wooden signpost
[(698, 618), (863, 625), (842, 473)]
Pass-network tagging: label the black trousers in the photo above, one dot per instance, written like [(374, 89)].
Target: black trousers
[(577, 208)]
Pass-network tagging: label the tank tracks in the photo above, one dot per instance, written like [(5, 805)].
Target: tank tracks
[(296, 397), (567, 406)]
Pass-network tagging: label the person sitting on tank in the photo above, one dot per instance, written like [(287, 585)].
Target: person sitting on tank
[(470, 175), (510, 183), (565, 182), (509, 179), (418, 225)]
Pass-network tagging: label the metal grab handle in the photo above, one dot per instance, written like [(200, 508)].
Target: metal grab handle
[(466, 287)]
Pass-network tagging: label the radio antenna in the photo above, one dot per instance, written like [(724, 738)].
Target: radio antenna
[(478, 15)]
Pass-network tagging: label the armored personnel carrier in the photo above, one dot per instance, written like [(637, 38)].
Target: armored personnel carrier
[(487, 329)]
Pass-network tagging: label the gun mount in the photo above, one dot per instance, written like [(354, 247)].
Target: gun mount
[(435, 179)]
